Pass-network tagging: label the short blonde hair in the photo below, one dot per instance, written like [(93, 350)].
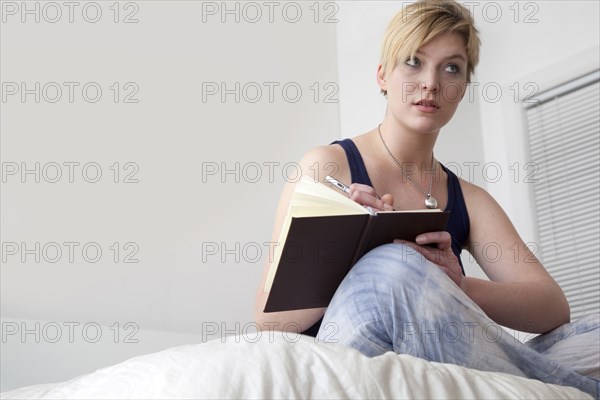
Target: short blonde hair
[(420, 22)]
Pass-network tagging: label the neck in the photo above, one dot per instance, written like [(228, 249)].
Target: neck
[(420, 146), (406, 146)]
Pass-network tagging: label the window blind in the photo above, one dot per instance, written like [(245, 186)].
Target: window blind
[(564, 143)]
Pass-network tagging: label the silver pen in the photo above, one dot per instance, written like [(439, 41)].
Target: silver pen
[(344, 188), (338, 184), (341, 186)]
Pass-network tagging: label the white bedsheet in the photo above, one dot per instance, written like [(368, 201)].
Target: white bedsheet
[(281, 367)]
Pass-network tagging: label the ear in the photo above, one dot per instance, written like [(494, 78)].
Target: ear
[(381, 80)]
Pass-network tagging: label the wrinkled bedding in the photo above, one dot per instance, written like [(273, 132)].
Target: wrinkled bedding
[(288, 366)]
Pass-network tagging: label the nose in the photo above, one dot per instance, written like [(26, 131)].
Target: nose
[(430, 81)]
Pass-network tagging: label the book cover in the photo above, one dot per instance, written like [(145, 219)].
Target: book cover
[(324, 234)]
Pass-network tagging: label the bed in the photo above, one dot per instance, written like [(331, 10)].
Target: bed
[(279, 365)]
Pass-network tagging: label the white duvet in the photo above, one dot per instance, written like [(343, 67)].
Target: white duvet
[(289, 367)]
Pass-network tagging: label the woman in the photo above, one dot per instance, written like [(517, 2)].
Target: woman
[(413, 298)]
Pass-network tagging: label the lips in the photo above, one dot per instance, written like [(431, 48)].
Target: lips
[(426, 105)]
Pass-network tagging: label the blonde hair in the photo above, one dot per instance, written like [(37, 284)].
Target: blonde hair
[(420, 22)]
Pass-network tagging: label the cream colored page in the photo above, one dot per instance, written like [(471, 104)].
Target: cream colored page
[(310, 194)]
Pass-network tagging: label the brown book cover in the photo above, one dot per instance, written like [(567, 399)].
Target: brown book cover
[(320, 250)]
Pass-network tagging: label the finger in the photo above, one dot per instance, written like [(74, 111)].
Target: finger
[(362, 188), (442, 259), (358, 190), (430, 253), (406, 242), (442, 238), (389, 200), (385, 205), (419, 249), (366, 196)]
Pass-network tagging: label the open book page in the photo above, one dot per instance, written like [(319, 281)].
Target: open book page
[(311, 199)]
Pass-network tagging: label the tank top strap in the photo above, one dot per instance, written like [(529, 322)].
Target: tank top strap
[(358, 170), (458, 224)]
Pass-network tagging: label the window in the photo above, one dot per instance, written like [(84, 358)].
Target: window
[(564, 145)]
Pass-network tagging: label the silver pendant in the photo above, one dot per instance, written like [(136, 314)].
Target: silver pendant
[(430, 202)]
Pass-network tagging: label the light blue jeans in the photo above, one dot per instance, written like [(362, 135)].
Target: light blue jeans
[(395, 300)]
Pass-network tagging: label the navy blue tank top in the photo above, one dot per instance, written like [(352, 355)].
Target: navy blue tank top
[(457, 225)]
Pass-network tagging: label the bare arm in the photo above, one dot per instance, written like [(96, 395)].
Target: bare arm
[(321, 161), (535, 306), (520, 294)]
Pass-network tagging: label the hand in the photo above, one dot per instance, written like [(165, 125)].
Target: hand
[(442, 256), (366, 196)]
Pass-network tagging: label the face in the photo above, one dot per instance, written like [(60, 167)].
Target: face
[(424, 92)]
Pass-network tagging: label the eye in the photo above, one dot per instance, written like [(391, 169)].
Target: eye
[(452, 68), (413, 62)]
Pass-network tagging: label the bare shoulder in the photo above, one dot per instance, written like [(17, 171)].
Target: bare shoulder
[(478, 200), (488, 221), (325, 153), (490, 227), (326, 160)]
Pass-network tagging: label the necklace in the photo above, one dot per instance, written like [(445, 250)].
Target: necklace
[(430, 201)]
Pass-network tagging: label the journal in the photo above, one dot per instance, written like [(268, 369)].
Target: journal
[(323, 235)]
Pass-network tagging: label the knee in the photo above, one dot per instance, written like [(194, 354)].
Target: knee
[(390, 274), (389, 268), (393, 262)]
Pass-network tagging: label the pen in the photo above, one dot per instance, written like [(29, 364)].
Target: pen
[(341, 186), (338, 184), (344, 188)]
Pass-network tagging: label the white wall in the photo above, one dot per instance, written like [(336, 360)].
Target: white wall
[(550, 42), (170, 135)]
